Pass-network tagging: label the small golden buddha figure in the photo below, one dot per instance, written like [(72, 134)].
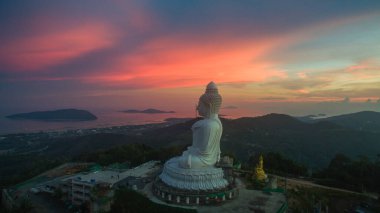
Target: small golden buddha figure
[(259, 170)]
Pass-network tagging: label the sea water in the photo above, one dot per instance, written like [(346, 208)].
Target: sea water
[(106, 118)]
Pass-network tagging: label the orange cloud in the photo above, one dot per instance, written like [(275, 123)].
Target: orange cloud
[(190, 60), (365, 69), (303, 91), (43, 50), (302, 75), (183, 61)]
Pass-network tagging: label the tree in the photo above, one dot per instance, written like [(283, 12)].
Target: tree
[(24, 206)]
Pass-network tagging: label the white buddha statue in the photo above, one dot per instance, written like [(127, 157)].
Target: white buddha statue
[(195, 168), (205, 150)]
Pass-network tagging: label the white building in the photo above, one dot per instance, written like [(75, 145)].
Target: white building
[(96, 189)]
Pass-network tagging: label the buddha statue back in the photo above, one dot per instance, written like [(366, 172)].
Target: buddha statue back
[(195, 168), (205, 149)]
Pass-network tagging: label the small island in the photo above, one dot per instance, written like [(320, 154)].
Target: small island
[(55, 115), (230, 107), (147, 111)]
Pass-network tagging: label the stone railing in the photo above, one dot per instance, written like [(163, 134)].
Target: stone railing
[(193, 197)]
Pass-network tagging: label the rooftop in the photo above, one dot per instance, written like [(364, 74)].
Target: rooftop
[(112, 177)]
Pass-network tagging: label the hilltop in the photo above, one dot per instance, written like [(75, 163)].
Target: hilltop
[(363, 121), (313, 144)]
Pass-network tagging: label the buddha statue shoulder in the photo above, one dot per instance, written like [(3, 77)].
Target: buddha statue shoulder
[(205, 148)]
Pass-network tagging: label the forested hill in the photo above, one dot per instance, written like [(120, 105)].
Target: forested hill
[(313, 144), (365, 121), (309, 144)]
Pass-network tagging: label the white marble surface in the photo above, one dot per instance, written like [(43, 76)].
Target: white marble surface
[(206, 178), (205, 150), (195, 168)]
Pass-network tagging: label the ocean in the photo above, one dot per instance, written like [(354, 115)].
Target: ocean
[(106, 118)]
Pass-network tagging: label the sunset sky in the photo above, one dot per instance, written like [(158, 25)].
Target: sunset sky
[(296, 57)]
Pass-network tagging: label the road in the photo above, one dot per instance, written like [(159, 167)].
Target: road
[(311, 184)]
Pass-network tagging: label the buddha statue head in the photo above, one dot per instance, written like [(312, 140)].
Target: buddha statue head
[(210, 101)]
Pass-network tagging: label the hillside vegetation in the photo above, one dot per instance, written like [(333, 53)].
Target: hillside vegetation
[(312, 145)]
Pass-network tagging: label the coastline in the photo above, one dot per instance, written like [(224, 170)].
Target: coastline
[(106, 119)]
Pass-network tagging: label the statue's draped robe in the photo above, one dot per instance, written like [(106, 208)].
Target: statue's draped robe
[(206, 142)]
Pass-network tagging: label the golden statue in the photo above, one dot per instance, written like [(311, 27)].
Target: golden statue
[(259, 170)]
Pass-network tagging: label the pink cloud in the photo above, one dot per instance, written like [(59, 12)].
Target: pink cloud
[(302, 75), (365, 69), (190, 60), (45, 49), (182, 61)]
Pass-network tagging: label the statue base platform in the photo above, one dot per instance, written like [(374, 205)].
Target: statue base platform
[(207, 178), (203, 186), (177, 196)]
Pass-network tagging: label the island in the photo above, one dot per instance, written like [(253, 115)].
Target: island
[(230, 107), (147, 111), (55, 115)]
